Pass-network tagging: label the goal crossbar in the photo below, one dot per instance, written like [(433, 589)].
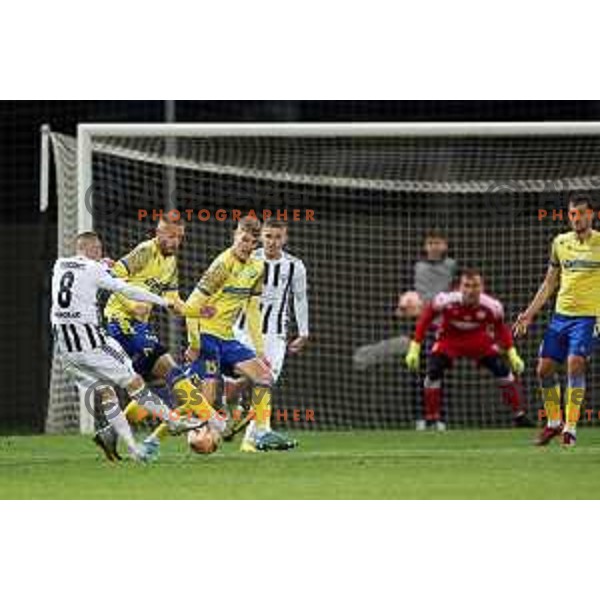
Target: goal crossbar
[(462, 129)]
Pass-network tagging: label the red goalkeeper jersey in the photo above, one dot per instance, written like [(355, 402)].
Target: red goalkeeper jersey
[(458, 319)]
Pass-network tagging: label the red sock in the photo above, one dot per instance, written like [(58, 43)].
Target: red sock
[(511, 394), (433, 403)]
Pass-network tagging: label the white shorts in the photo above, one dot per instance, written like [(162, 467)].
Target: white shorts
[(275, 349), (106, 365)]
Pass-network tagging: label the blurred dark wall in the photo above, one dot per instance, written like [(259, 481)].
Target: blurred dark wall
[(27, 239)]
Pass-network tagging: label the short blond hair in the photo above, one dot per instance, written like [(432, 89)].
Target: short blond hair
[(84, 238), (250, 225)]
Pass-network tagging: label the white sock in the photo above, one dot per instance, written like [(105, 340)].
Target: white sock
[(250, 433), (117, 419), (553, 423), (153, 437), (261, 428)]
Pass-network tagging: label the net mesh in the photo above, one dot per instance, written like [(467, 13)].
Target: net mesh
[(373, 200)]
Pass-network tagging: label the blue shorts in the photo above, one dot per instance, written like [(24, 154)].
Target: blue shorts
[(568, 336), (141, 344), (219, 357)]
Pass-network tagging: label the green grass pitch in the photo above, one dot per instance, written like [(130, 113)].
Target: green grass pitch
[(360, 464)]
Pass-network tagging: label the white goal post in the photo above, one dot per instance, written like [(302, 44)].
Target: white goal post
[(92, 136)]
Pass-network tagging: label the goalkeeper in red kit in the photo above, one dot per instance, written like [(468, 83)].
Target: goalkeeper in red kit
[(471, 326)]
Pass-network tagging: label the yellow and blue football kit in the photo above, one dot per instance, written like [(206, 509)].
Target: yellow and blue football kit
[(146, 267), (229, 287), (571, 331)]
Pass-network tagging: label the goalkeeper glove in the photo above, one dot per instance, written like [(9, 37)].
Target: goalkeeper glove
[(413, 356), (516, 362)]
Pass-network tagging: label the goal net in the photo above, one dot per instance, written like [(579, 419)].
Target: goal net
[(359, 201)]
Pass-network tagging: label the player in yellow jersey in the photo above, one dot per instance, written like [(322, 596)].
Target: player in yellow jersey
[(575, 270), (152, 265), (232, 285)]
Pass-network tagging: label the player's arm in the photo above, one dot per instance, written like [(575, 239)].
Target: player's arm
[(171, 290), (429, 313), (544, 293), (210, 283), (504, 337), (254, 317), (133, 262), (106, 281), (300, 297), (503, 334), (424, 322)]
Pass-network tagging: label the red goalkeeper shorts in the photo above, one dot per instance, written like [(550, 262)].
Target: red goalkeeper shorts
[(476, 346)]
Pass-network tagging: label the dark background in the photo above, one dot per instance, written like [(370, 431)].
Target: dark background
[(28, 239)]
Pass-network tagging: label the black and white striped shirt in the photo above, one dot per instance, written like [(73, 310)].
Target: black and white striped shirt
[(74, 313), (79, 337), (284, 283)]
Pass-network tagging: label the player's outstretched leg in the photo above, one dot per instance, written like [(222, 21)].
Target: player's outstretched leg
[(172, 421), (194, 408), (184, 393)]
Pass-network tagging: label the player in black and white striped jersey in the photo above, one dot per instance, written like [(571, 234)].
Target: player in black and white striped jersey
[(284, 285), (95, 360)]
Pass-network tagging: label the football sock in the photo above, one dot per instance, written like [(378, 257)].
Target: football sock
[(191, 403), (159, 433), (152, 403), (194, 405), (433, 399), (574, 399), (550, 390), (194, 401), (188, 396), (261, 403), (511, 392), (134, 412), (117, 419), (250, 432)]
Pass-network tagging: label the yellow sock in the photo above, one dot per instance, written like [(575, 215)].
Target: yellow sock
[(134, 412), (160, 432), (551, 398), (191, 399), (261, 402), (574, 400)]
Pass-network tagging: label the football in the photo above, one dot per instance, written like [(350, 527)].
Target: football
[(203, 441)]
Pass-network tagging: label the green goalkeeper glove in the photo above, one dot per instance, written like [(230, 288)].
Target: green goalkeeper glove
[(413, 356), (516, 362)]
